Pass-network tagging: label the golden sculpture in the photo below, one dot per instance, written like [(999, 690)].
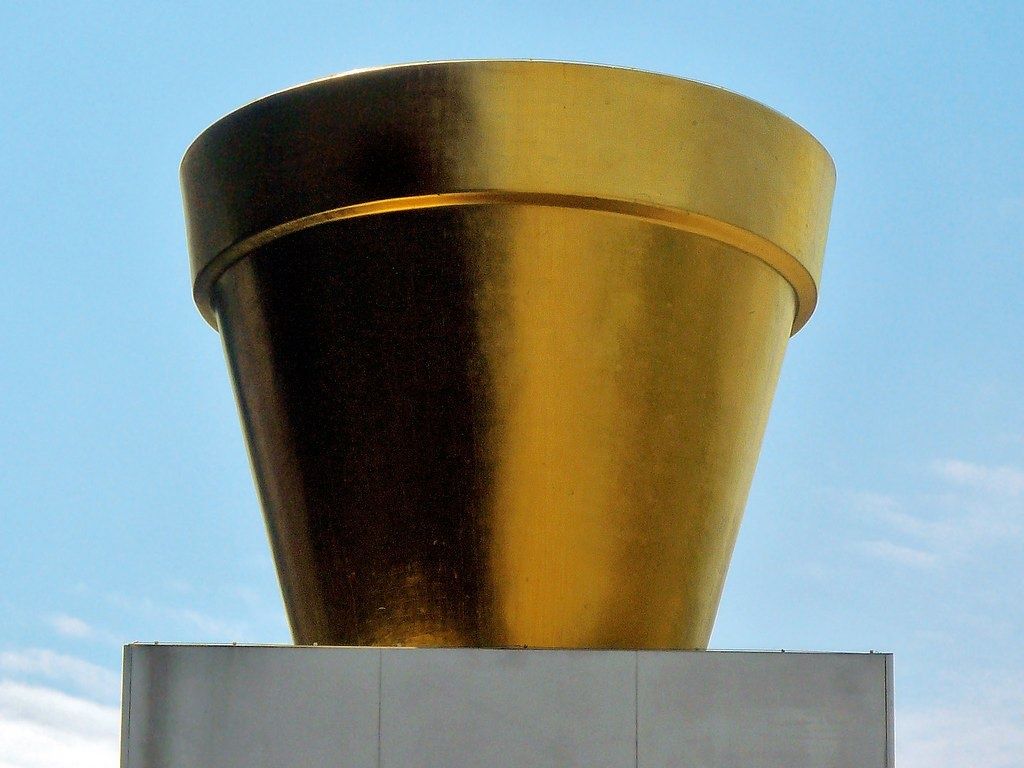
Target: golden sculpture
[(504, 337)]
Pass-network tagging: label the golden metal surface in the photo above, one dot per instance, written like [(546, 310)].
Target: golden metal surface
[(504, 337)]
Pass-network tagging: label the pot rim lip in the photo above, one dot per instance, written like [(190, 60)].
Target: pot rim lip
[(230, 155), (356, 71)]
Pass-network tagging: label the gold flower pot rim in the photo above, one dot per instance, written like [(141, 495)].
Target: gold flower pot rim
[(681, 153)]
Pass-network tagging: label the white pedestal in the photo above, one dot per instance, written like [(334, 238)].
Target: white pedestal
[(283, 706)]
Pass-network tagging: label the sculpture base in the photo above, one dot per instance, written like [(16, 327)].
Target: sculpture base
[(263, 706)]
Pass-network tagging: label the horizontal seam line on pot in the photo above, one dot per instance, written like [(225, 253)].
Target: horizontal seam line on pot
[(778, 259)]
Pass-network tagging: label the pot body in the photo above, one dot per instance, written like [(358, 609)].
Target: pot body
[(490, 398)]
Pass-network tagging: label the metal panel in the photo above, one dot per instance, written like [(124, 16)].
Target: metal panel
[(257, 707), (769, 710), (890, 741), (464, 707)]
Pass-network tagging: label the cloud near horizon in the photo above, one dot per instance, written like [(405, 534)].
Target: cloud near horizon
[(45, 728), (984, 732), (36, 664)]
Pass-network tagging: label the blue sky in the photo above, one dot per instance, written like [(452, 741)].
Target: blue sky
[(888, 508)]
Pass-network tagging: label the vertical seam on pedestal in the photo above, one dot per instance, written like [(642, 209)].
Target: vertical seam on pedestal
[(636, 709), (888, 710), (380, 701)]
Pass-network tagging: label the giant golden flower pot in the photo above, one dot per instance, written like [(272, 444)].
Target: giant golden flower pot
[(504, 337)]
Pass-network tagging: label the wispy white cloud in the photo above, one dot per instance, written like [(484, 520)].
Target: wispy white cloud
[(898, 553), (71, 626), (44, 728), (79, 629), (37, 663), (209, 628), (986, 732), (998, 480), (875, 503), (973, 507), (172, 617)]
